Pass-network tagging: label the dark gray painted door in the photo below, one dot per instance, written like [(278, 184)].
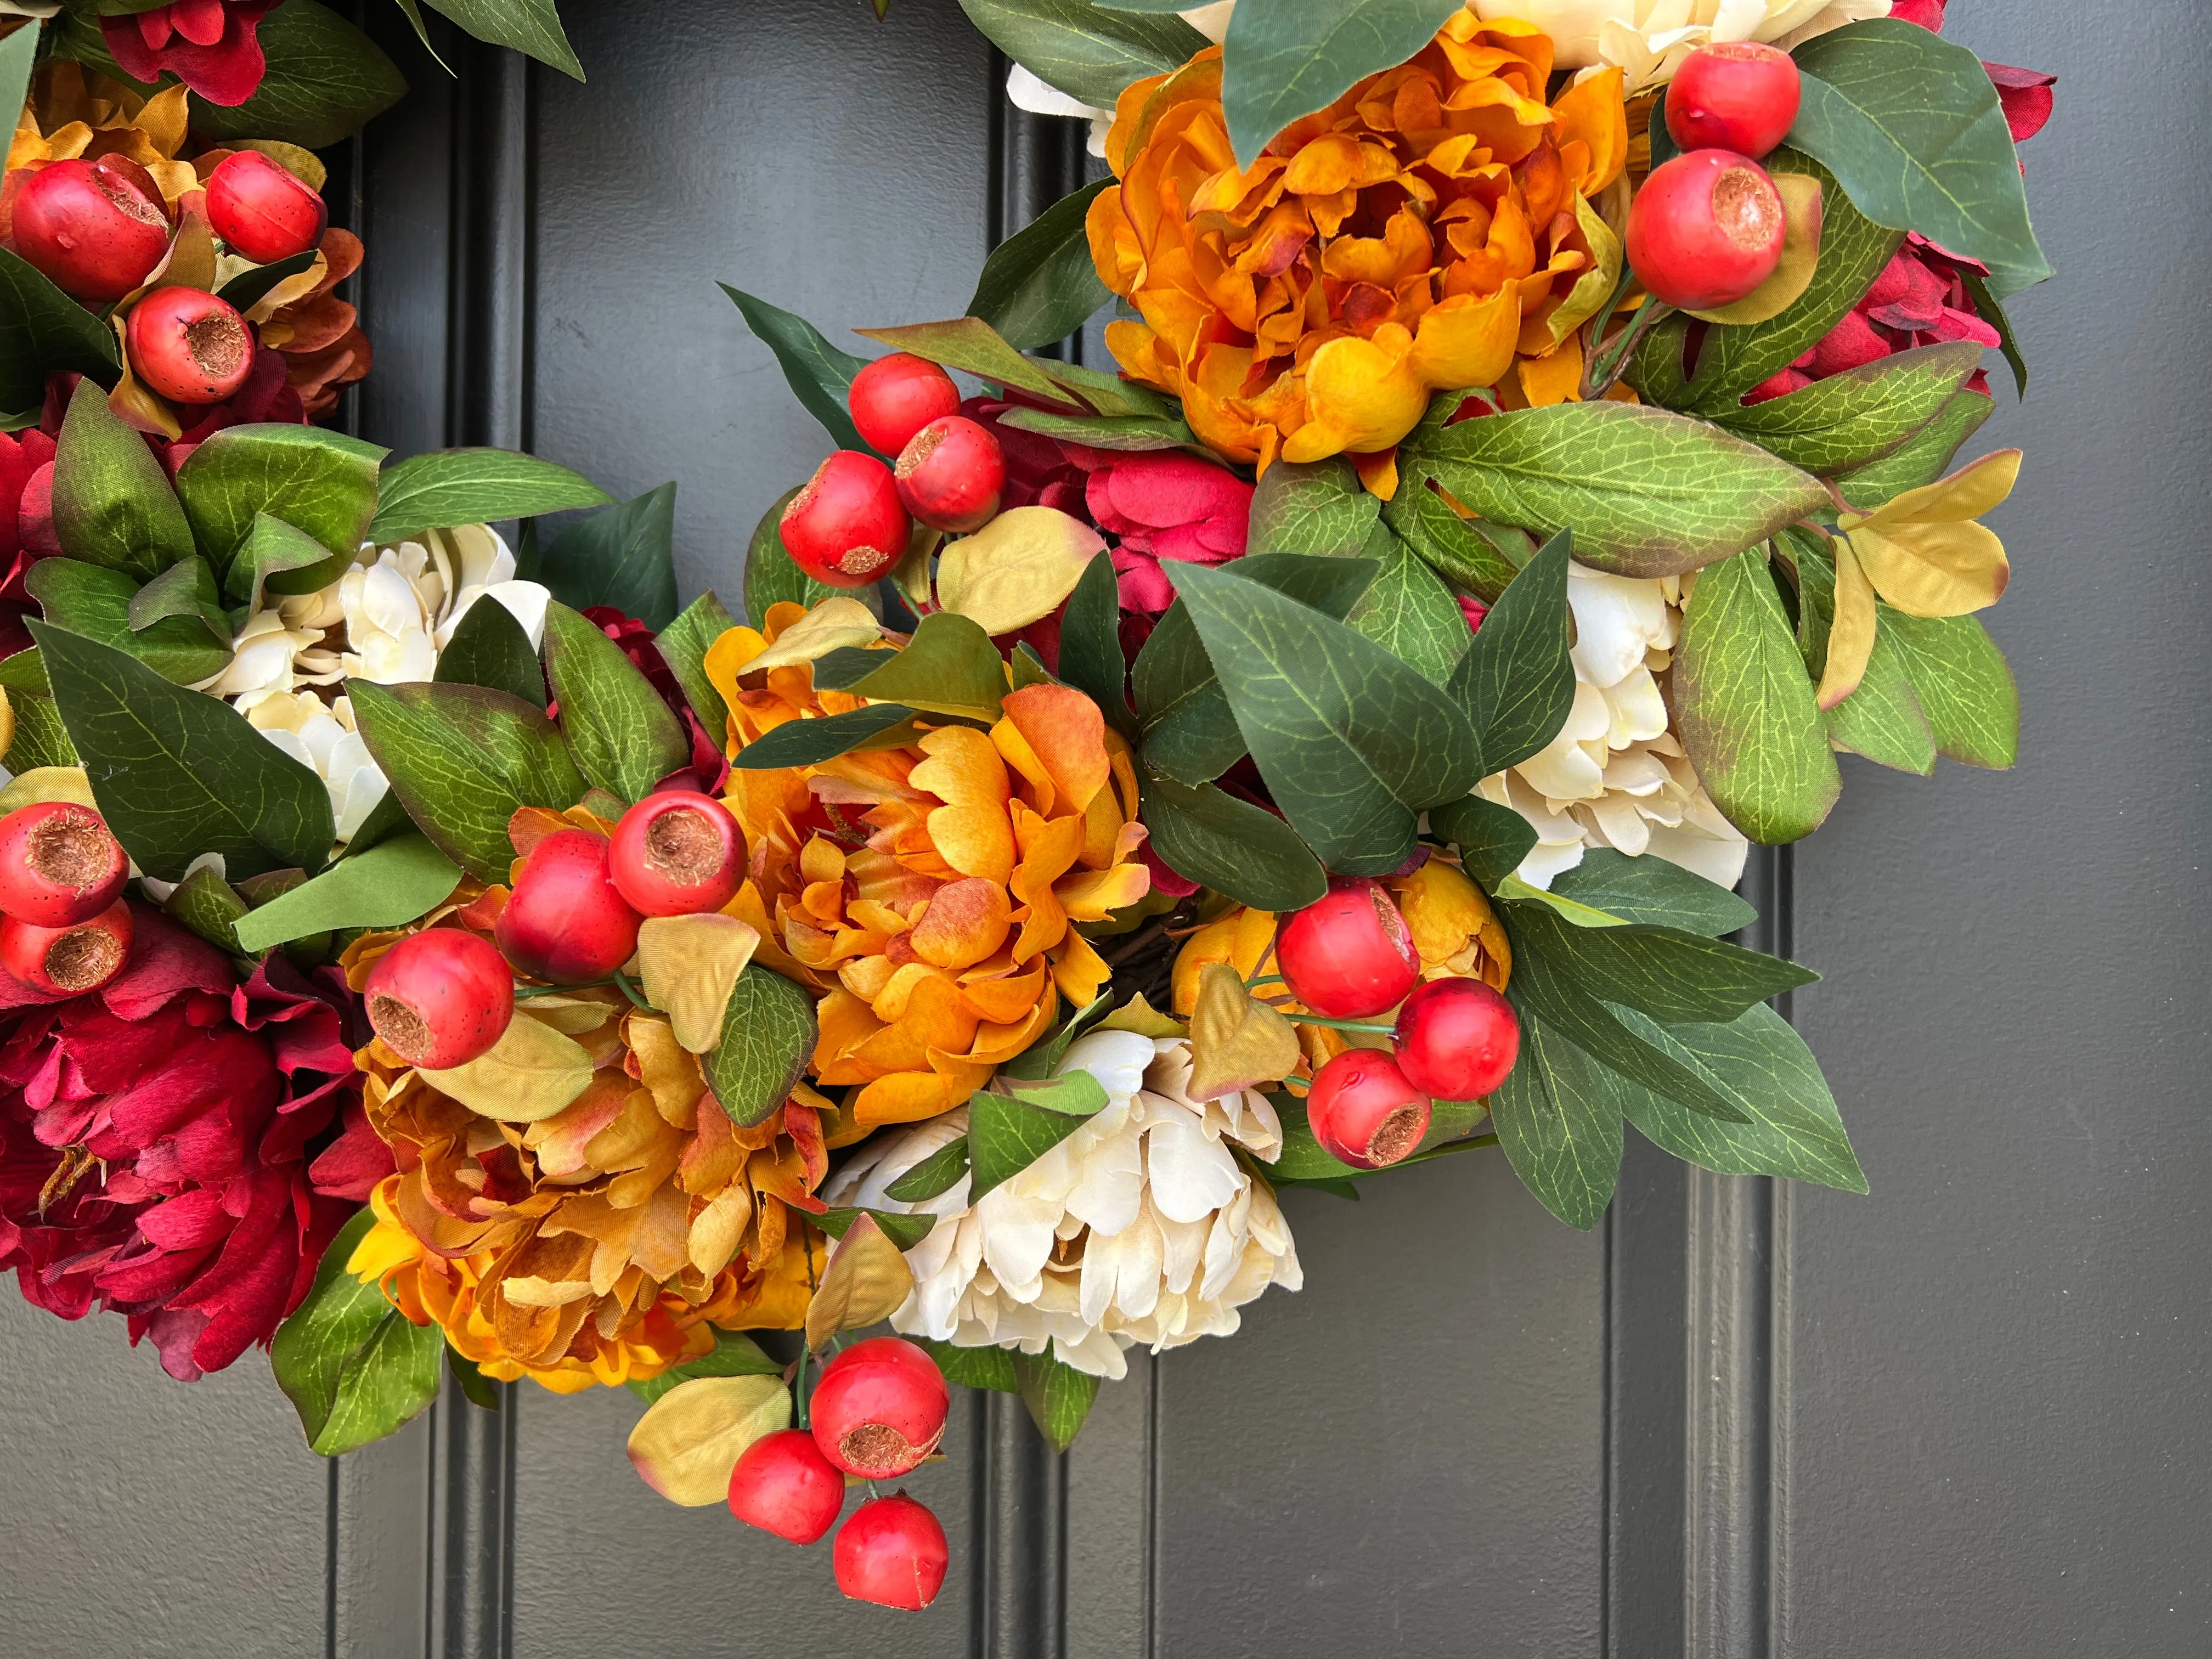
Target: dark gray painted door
[(1962, 1417)]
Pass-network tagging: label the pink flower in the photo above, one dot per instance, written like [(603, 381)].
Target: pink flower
[(1474, 610), (1164, 504), (211, 46), (179, 1147)]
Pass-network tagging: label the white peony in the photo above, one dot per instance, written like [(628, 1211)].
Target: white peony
[(1616, 775), (323, 736), (1649, 39), (1025, 91), (1142, 1226)]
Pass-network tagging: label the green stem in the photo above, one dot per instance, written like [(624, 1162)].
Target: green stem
[(632, 992), (523, 992), (1341, 1024), (1606, 368)]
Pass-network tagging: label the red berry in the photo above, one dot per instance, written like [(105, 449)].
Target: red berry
[(675, 853), (190, 346), (950, 474), (892, 1552), (565, 923), (894, 397), (1348, 954), (784, 1484), (440, 998), (66, 960), (847, 526), (95, 228), (1363, 1111), (59, 864), (1739, 95), (879, 1407), (1457, 1039), (1705, 229), (261, 210)]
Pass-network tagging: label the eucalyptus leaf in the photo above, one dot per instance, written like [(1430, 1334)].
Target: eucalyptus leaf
[(819, 375), (1039, 285), (624, 738), (447, 488), (400, 881), (624, 558)]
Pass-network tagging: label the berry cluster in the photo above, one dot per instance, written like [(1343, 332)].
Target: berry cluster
[(64, 926)]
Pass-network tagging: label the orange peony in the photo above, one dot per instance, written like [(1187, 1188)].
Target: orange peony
[(930, 891), (1414, 236)]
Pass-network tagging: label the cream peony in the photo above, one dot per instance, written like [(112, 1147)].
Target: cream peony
[(1649, 39), (1142, 1226), (1616, 775), (322, 737)]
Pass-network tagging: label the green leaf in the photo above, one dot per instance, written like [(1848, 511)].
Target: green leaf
[(177, 774), (40, 738), (1882, 718), (935, 1176), (1302, 1162), (768, 1035), (210, 906), (462, 759), (325, 80), (1087, 52), (1558, 1116), (185, 591), (243, 291), (1006, 1136), (1035, 1063), (489, 648), (1745, 706), (1964, 686), (451, 486), (820, 377), (974, 1368), (624, 738), (41, 330), (1516, 682), (1351, 740), (1039, 286), (1647, 492), (112, 504), (348, 1361), (1666, 974), (1992, 311), (623, 557), (1317, 506), (811, 742), (1408, 611), (277, 558), (1910, 124), (322, 482), (17, 54), (950, 667), (1281, 61), (1477, 556), (904, 1230), (1921, 459), (96, 603), (1090, 657), (1650, 889), (684, 644), (476, 1388), (1108, 394), (1849, 419), (1492, 840), (1793, 1129), (1058, 1395), (1073, 1094), (772, 577), (735, 1354), (972, 344), (1121, 432), (531, 27), (399, 881)]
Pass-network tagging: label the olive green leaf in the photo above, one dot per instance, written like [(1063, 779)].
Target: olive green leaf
[(1059, 1396), (935, 1176), (1478, 556), (624, 558), (1088, 52), (326, 79), (1090, 657), (735, 1354), (112, 504), (820, 376), (1650, 889), (1039, 285), (86, 600), (41, 330), (624, 738), (1921, 459), (1987, 306), (1231, 845), (400, 881), (1963, 684), (451, 486), (488, 648), (1282, 62), (1006, 1135), (1860, 415), (1123, 433), (531, 27), (210, 906), (349, 1362), (811, 742), (277, 558), (768, 1035), (1492, 840), (972, 344), (1517, 681), (1667, 974), (950, 667), (684, 644), (40, 740), (1316, 507), (186, 590), (1408, 611), (1558, 1116), (322, 482)]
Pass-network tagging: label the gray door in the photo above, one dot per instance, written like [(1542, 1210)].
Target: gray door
[(1964, 1416)]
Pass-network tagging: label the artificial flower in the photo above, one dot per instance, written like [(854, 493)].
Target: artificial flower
[(73, 112), (213, 46), (179, 1147), (1164, 504), (323, 738), (27, 527), (318, 334), (1144, 1225), (932, 890), (1648, 39), (709, 766)]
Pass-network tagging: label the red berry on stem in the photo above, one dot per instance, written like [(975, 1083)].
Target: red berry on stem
[(95, 229), (565, 923), (1739, 95), (784, 1484), (675, 853), (68, 961), (440, 998), (190, 346), (1705, 229), (1349, 954), (847, 527), (879, 1407), (951, 473), (59, 864), (1363, 1111), (892, 1552), (894, 397), (265, 212), (1457, 1039)]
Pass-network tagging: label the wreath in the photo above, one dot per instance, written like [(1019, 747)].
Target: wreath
[(1325, 740)]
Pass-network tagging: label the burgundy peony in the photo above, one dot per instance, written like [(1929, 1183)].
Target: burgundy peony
[(211, 46), (27, 527), (179, 1147)]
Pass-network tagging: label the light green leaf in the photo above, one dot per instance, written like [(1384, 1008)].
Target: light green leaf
[(400, 881), (112, 504), (325, 80), (1058, 1395), (349, 1362), (531, 27), (1283, 61), (1039, 285), (950, 667), (623, 737), (41, 330), (1853, 419), (935, 1176), (1088, 52), (1231, 845), (1964, 686), (1408, 611), (1006, 1136), (1882, 719), (1650, 889), (451, 486), (1478, 556), (684, 644), (768, 1035), (322, 482), (820, 376), (184, 591), (1558, 1116), (96, 603), (1317, 506), (210, 906), (1516, 682), (488, 648), (624, 558), (1921, 459), (277, 558)]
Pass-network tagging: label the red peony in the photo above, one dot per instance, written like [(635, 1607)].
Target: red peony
[(1164, 504), (211, 46), (179, 1147), (27, 527)]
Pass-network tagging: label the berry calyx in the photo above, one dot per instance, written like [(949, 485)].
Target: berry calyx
[(68, 961), (565, 923), (95, 229), (263, 210), (1349, 954), (190, 346), (440, 998), (1739, 95), (892, 1552), (879, 1407), (1705, 229), (847, 526), (894, 397), (675, 853), (784, 1484), (59, 864), (1363, 1111), (1457, 1039), (952, 474)]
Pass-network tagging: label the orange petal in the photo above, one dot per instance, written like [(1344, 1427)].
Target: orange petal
[(966, 922)]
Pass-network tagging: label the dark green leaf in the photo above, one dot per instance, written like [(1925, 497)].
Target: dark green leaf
[(17, 54), (1115, 432), (451, 486), (1651, 889), (325, 80), (1667, 974), (462, 759), (623, 557), (768, 1035), (349, 1362), (1478, 556), (735, 1354), (1058, 1395), (1408, 611), (972, 344), (1987, 306), (476, 1388), (1231, 845), (1492, 840), (904, 1230), (1921, 459), (771, 577), (1516, 682), (1302, 1162), (1090, 657), (112, 503), (1849, 419), (974, 1368), (820, 376), (1283, 61), (1320, 507), (950, 667), (400, 881), (210, 906), (933, 1177), (811, 742), (277, 558), (177, 774), (1964, 686), (531, 27), (96, 603), (1107, 394), (41, 330), (624, 738), (1558, 1115), (243, 291), (322, 482), (1088, 52), (186, 591), (684, 646), (25, 670), (1006, 1136), (488, 648), (1039, 285)]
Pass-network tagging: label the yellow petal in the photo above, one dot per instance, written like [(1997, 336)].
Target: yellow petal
[(1466, 341), (1016, 568), (1971, 491), (1236, 1043), (686, 1445), (530, 1073), (690, 964), (1850, 635), (1554, 379), (866, 1280), (1934, 569), (1360, 395), (1139, 1015), (830, 626)]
